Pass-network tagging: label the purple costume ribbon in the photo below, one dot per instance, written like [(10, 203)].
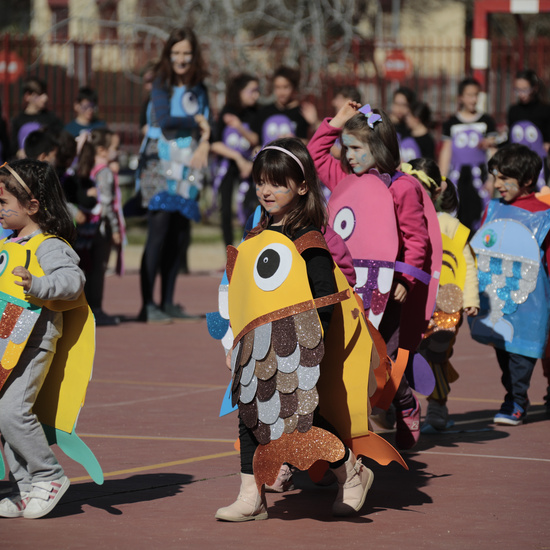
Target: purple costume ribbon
[(418, 274), (372, 118)]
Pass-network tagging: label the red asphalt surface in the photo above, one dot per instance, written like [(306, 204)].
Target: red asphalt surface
[(151, 418)]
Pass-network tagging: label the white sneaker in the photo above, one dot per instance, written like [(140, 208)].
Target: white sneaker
[(44, 497), (12, 507)]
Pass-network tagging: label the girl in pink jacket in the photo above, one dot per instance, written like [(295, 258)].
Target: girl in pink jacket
[(369, 144)]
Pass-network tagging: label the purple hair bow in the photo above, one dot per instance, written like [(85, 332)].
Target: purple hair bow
[(372, 118)]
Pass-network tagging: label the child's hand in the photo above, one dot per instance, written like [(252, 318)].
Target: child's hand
[(199, 160), (348, 110), (91, 192), (202, 123), (244, 166), (399, 293), (471, 311), (228, 359), (309, 112), (233, 121), (117, 239), (26, 277), (80, 217)]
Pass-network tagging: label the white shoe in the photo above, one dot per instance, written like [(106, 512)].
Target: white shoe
[(283, 482), (44, 497), (12, 507), (354, 482), (250, 504)]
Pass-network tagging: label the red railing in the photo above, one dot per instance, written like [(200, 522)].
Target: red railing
[(121, 96)]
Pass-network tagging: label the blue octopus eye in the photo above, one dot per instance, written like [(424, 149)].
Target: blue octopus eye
[(4, 260), (272, 266)]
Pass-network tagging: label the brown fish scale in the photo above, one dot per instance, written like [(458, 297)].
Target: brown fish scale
[(289, 404), (249, 413), (283, 336), (312, 357), (268, 367), (266, 388), (305, 422), (247, 343), (291, 423), (308, 329), (287, 382), (262, 433)]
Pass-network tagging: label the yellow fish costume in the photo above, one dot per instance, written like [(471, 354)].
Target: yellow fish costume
[(63, 392), (457, 289), (283, 368)]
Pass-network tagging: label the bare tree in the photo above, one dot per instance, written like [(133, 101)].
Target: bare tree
[(253, 34)]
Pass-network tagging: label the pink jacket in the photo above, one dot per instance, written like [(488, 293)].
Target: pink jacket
[(340, 254), (406, 191)]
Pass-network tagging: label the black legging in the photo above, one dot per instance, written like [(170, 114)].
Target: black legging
[(168, 238), (229, 181)]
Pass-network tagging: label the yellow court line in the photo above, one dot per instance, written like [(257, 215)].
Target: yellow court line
[(158, 438), (158, 466), (137, 383)]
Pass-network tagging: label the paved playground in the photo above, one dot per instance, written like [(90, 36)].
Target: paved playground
[(151, 418)]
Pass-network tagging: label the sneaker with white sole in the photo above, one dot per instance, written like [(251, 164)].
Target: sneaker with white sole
[(437, 418), (408, 427), (510, 414), (13, 506), (44, 497)]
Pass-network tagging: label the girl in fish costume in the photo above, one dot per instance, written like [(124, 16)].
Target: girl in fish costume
[(46, 340)]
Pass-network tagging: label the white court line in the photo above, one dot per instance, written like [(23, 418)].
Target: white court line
[(158, 398), (476, 456)]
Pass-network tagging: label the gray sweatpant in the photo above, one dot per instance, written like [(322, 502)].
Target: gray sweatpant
[(26, 448)]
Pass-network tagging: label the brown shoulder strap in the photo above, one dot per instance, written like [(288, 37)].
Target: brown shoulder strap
[(312, 239)]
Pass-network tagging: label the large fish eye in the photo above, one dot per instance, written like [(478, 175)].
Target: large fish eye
[(272, 266), (344, 223), (4, 260)]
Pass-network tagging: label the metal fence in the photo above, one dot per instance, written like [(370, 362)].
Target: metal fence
[(435, 68)]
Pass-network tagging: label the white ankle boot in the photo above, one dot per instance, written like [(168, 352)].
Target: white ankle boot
[(250, 505), (354, 481), (283, 482)]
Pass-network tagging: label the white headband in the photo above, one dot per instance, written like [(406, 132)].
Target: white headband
[(287, 152)]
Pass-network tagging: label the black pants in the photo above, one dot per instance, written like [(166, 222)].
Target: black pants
[(168, 238), (389, 329), (95, 275), (229, 181), (516, 375)]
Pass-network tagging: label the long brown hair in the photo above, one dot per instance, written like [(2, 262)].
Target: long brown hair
[(381, 140), (163, 68), (275, 166)]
